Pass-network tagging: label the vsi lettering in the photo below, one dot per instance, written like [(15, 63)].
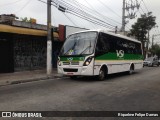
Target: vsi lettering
[(70, 59), (120, 53)]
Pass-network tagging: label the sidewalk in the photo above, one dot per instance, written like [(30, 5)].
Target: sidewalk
[(26, 76)]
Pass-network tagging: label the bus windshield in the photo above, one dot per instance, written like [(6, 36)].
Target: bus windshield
[(79, 44)]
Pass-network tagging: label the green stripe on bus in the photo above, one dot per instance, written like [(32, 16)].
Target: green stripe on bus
[(113, 56), (107, 56), (72, 58)]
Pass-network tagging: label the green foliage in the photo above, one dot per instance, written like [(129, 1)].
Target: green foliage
[(25, 19), (155, 50), (143, 25)]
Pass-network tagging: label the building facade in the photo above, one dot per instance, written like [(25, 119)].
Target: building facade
[(23, 46)]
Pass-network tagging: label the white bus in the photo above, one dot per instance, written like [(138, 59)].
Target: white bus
[(98, 53)]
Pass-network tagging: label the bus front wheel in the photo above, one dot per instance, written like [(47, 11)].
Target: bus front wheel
[(102, 74)]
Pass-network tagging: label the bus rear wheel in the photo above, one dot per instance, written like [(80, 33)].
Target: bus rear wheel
[(102, 74), (131, 70)]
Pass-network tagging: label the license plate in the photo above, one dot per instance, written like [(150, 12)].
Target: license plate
[(69, 73)]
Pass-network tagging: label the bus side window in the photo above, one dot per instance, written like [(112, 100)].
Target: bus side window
[(138, 48), (112, 43), (102, 44), (105, 44)]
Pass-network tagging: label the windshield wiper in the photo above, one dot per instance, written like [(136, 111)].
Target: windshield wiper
[(85, 49), (67, 51), (70, 48)]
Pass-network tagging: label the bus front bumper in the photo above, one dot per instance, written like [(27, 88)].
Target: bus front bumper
[(76, 71)]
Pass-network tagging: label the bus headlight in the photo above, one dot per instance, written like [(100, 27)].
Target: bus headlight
[(88, 61)]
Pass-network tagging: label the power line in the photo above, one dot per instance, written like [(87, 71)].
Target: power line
[(76, 3), (145, 6), (74, 11), (101, 14), (92, 7), (90, 20), (96, 21), (11, 3), (42, 1), (23, 6), (63, 14), (53, 18), (142, 10), (79, 13), (69, 19), (149, 2), (108, 8), (95, 12), (90, 10)]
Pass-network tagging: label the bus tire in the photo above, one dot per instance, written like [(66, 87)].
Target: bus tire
[(131, 70), (102, 74)]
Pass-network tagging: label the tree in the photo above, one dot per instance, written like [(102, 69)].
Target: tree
[(140, 29), (155, 50), (25, 19)]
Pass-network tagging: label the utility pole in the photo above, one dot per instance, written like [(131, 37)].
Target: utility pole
[(147, 45), (49, 41), (152, 40), (127, 7), (123, 17)]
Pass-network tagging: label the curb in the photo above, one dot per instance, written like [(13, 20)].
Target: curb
[(30, 80)]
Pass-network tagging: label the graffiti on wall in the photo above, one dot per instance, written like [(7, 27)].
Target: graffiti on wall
[(29, 52)]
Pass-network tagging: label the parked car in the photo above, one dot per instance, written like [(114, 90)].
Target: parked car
[(151, 61)]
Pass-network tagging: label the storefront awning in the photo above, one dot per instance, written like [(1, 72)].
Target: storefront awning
[(24, 31)]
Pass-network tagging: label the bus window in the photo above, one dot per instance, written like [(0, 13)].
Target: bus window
[(102, 44)]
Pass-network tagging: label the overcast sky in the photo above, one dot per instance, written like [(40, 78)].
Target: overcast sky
[(112, 9)]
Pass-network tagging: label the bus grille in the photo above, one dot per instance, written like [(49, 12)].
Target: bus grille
[(70, 70), (66, 63), (74, 63), (70, 63)]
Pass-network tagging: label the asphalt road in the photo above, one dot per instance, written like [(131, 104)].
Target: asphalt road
[(119, 92)]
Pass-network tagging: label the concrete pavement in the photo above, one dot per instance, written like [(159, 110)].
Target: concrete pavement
[(119, 92), (26, 76)]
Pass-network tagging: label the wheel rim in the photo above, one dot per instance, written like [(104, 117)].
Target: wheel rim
[(101, 75), (131, 70)]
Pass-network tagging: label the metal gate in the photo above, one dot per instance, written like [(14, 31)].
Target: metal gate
[(29, 52)]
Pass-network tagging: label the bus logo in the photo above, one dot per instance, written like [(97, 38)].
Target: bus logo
[(70, 59), (120, 53), (81, 58)]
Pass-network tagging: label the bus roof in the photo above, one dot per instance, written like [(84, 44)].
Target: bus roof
[(110, 33)]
